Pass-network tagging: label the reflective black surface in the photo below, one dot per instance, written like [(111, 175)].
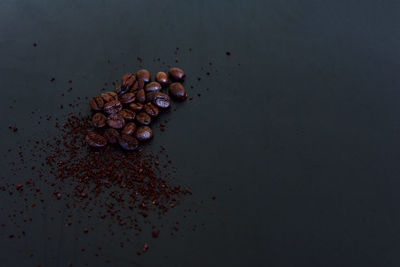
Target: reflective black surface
[(299, 143)]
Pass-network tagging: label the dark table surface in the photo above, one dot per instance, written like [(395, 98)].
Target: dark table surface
[(297, 137)]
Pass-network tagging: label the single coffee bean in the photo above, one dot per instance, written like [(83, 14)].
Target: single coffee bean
[(125, 77), (99, 120), (161, 100), (151, 109), (112, 107), (151, 96), (143, 118), (176, 74), (143, 75), (109, 96), (162, 78), (141, 84), (127, 98), (177, 91), (136, 106), (111, 135), (128, 142), (129, 128), (121, 90), (135, 86), (96, 103), (95, 140), (128, 79), (144, 133), (115, 121), (141, 96), (153, 86), (127, 114)]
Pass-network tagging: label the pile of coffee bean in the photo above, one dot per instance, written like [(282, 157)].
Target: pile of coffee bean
[(123, 116)]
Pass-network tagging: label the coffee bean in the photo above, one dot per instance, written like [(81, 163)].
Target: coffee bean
[(99, 120), (125, 77), (141, 84), (127, 98), (95, 140), (128, 142), (143, 75), (128, 79), (176, 74), (151, 109), (161, 100), (111, 135), (141, 96), (136, 106), (135, 86), (121, 90), (177, 91), (112, 107), (151, 96), (96, 103), (109, 96), (127, 114), (129, 128), (153, 86), (162, 78), (135, 99), (144, 133), (143, 118), (115, 121)]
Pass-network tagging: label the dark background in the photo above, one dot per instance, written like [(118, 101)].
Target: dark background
[(298, 135)]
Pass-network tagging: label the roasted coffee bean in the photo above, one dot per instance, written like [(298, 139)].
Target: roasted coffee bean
[(95, 140), (136, 106), (162, 78), (153, 86), (109, 96), (112, 107), (161, 100), (129, 128), (96, 103), (99, 120), (177, 91), (128, 142), (176, 74), (151, 96), (128, 79), (141, 96), (143, 118), (121, 90), (143, 75), (127, 98), (111, 135), (115, 121), (125, 77), (141, 84), (151, 109), (135, 86), (144, 133), (127, 114)]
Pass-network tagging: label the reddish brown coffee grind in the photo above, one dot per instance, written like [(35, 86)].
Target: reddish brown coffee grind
[(126, 189)]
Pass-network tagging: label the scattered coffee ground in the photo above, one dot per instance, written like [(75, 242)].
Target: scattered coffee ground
[(95, 163), (124, 189)]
